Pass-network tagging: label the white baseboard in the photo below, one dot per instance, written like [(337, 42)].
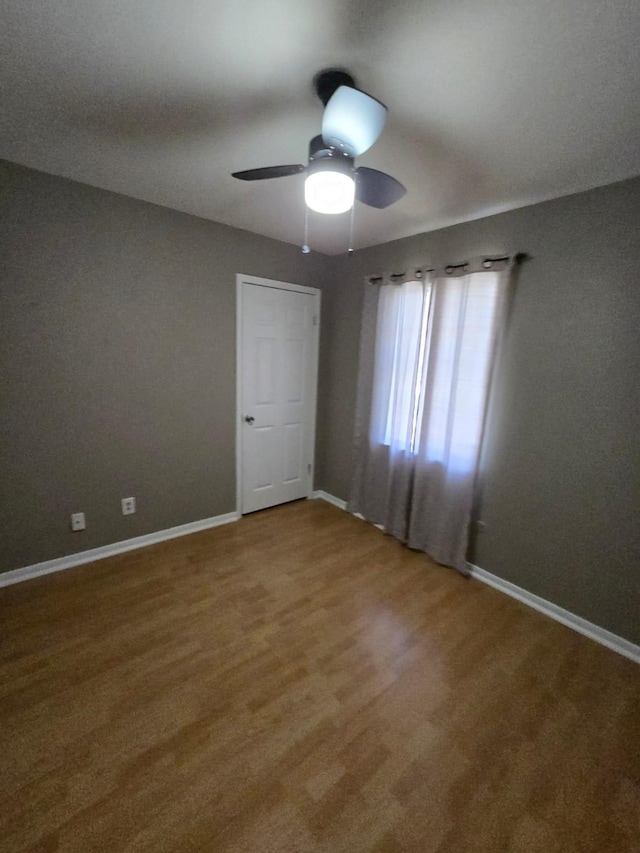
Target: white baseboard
[(594, 632), (582, 626), (330, 499), (71, 560)]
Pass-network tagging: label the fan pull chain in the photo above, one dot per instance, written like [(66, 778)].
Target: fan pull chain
[(305, 245), (353, 213)]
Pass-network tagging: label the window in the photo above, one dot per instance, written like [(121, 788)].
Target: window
[(434, 342), (399, 352)]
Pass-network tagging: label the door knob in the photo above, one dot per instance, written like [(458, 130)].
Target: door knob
[(249, 419)]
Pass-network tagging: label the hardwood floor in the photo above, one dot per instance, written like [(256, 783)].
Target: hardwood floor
[(300, 683)]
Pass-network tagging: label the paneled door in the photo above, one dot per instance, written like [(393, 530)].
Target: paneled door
[(277, 376)]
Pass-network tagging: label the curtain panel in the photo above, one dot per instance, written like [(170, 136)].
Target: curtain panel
[(427, 348)]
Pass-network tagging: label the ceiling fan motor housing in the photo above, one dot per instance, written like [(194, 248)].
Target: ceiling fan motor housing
[(322, 157)]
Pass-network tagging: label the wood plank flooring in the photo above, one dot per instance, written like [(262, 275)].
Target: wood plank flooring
[(300, 683)]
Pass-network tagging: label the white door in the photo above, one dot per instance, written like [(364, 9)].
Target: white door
[(277, 355)]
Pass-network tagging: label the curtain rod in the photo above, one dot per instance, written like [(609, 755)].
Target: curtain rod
[(519, 258)]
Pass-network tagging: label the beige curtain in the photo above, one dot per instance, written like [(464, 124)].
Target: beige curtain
[(427, 348)]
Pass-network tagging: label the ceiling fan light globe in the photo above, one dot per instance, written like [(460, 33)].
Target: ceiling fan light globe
[(352, 121), (329, 192)]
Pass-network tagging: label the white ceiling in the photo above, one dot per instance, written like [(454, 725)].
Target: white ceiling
[(493, 104)]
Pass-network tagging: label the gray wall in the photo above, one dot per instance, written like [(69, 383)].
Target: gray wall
[(117, 362), (562, 479), (117, 377)]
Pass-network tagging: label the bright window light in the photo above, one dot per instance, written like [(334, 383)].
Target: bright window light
[(432, 368), (329, 192)]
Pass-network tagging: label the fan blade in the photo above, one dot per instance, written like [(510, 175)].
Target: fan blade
[(352, 120), (269, 172), (377, 189)]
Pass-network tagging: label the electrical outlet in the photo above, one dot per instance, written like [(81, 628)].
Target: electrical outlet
[(128, 506), (78, 521)]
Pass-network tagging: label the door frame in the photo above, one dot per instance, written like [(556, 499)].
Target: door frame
[(241, 279)]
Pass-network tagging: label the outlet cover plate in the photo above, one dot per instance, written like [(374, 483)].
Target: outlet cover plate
[(128, 506)]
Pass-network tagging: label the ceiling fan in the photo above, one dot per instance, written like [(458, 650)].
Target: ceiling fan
[(351, 123)]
